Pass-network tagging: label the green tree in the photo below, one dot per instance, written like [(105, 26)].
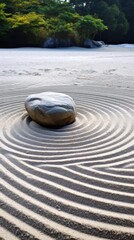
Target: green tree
[(122, 24), (4, 24), (128, 8), (82, 7), (88, 26), (58, 28), (113, 16), (19, 6), (109, 13), (27, 28), (55, 8)]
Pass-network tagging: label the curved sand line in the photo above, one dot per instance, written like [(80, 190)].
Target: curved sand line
[(76, 182)]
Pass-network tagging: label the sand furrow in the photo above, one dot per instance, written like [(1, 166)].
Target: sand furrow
[(76, 182)]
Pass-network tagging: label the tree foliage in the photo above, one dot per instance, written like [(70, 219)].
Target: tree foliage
[(87, 27), (4, 25), (30, 22), (116, 14)]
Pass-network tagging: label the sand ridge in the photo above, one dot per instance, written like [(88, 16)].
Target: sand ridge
[(76, 182)]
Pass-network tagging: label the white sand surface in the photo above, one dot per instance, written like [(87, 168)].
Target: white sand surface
[(111, 66), (76, 182)]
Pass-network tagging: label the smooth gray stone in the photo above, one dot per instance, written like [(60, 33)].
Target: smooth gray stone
[(88, 43), (51, 109), (55, 43)]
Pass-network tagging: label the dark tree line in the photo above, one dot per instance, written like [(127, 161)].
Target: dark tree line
[(118, 15)]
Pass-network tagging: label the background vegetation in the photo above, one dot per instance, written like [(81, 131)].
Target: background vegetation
[(118, 15), (31, 22)]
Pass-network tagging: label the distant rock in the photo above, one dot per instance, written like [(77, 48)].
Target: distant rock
[(88, 43), (51, 109), (50, 43), (56, 43), (62, 42)]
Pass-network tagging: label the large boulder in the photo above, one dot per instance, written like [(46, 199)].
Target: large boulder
[(51, 109), (88, 43), (56, 43), (50, 43)]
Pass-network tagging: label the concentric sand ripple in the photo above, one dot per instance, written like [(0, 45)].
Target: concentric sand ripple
[(75, 182)]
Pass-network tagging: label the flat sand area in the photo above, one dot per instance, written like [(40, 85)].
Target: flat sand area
[(76, 182)]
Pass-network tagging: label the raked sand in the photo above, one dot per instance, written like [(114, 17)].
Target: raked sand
[(76, 182)]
